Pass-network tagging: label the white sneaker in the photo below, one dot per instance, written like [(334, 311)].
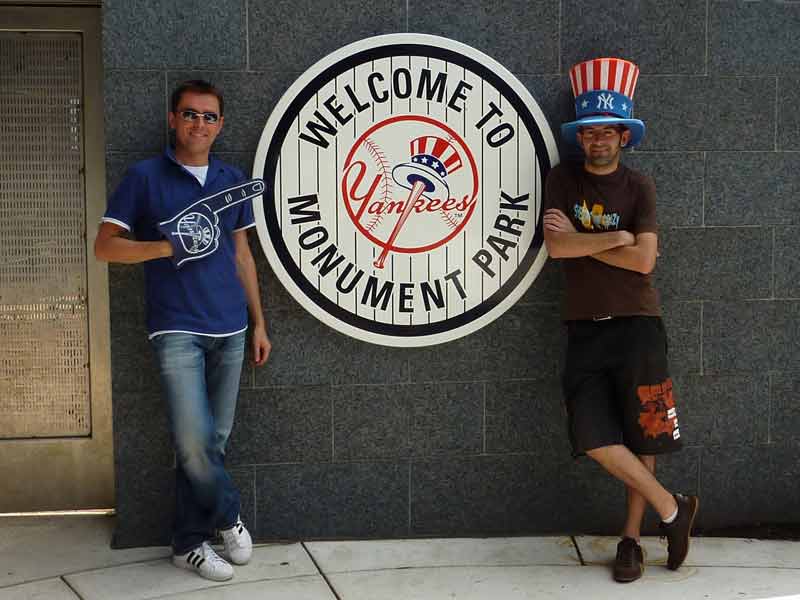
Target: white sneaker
[(205, 562), (238, 543)]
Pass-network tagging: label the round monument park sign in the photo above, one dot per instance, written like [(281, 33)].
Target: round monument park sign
[(403, 189)]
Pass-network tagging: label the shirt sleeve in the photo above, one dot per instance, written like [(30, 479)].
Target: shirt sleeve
[(555, 195), (246, 219), (126, 204), (646, 210)]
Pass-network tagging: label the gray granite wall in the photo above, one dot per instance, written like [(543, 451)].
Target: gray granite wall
[(338, 438)]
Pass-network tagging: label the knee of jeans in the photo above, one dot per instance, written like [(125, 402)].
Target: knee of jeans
[(193, 456)]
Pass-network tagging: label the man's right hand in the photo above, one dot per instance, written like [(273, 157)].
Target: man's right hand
[(193, 233)]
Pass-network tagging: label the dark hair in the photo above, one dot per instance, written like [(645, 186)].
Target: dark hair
[(197, 86)]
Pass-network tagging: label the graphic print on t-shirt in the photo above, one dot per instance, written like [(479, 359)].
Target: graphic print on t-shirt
[(658, 416), (596, 218)]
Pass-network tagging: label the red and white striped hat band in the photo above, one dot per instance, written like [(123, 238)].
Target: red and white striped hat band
[(614, 74)]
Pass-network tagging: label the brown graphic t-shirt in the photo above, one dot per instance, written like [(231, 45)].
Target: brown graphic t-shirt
[(623, 200)]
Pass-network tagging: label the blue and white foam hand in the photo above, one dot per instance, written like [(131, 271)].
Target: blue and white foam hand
[(194, 232)]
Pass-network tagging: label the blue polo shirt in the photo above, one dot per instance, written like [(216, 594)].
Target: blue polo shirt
[(204, 296)]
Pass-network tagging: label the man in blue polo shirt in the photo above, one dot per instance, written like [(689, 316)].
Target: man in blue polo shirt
[(197, 314)]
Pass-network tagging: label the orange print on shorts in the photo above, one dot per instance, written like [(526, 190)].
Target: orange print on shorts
[(658, 415)]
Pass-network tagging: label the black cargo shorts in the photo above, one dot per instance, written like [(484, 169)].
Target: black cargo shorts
[(617, 387)]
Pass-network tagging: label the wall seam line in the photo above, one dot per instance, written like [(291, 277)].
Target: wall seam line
[(708, 10), (702, 358), (246, 35), (560, 25), (777, 91), (772, 283)]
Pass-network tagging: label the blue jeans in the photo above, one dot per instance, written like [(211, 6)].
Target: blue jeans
[(200, 380)]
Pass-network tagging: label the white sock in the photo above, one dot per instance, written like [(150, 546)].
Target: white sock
[(671, 518)]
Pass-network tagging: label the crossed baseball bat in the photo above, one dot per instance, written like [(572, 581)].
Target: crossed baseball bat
[(416, 191)]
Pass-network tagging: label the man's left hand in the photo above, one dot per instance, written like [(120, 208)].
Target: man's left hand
[(261, 345)]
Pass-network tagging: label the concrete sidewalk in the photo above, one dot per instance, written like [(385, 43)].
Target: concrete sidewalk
[(67, 558)]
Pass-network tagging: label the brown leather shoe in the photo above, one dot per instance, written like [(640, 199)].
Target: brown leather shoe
[(629, 564), (679, 531)]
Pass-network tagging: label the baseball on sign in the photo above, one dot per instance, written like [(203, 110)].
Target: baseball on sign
[(403, 189)]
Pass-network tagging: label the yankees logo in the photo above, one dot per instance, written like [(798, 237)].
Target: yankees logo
[(427, 180), (404, 176), (194, 232), (605, 102)]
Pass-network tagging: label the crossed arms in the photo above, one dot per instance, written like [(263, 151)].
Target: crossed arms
[(616, 248)]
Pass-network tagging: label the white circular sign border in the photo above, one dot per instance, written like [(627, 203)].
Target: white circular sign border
[(258, 205)]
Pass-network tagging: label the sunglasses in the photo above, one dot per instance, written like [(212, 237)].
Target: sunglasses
[(603, 134), (189, 115)]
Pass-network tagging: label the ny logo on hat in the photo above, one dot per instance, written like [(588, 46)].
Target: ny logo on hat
[(605, 102)]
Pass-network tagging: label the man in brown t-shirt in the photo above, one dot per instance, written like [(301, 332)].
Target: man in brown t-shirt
[(600, 218)]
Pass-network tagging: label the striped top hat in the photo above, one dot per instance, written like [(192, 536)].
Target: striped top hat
[(603, 90), (432, 159)]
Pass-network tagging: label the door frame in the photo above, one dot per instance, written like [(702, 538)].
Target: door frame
[(72, 473)]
